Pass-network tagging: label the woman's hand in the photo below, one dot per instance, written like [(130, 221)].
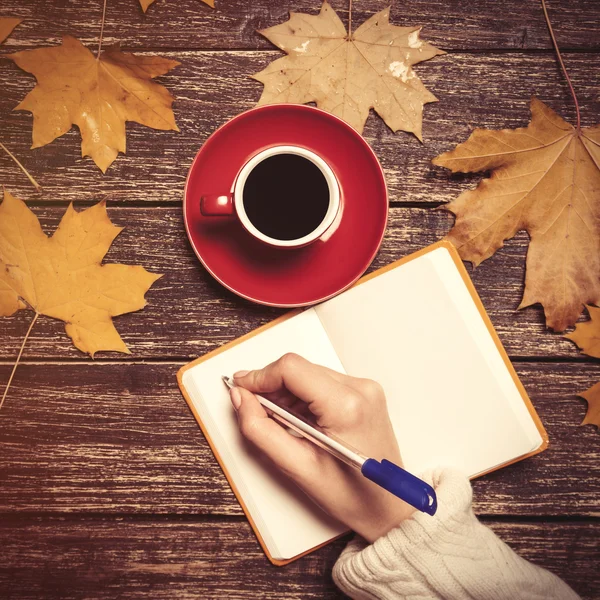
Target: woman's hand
[(352, 409)]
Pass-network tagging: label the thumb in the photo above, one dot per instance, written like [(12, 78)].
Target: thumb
[(294, 456)]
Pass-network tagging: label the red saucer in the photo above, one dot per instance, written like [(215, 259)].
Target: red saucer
[(274, 276)]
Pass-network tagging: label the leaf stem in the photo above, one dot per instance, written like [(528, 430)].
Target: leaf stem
[(37, 314), (101, 30), (37, 186), (562, 64), (349, 19)]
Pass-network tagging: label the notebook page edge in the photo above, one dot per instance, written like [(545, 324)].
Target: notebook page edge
[(222, 454), (449, 274), (324, 531)]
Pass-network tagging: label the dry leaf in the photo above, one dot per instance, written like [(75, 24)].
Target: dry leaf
[(146, 3), (98, 96), (348, 76), (62, 276), (587, 337), (546, 180), (587, 334), (592, 396), (6, 26)]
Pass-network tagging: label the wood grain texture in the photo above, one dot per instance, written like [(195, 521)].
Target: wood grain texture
[(189, 313), (474, 90), (109, 489), (475, 25), (117, 438), (108, 558)]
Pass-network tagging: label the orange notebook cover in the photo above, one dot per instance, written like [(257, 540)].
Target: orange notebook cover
[(339, 307)]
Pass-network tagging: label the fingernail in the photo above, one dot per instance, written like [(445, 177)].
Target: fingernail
[(236, 397), (240, 374)]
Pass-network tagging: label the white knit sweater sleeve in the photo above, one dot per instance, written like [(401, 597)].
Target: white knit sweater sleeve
[(449, 556)]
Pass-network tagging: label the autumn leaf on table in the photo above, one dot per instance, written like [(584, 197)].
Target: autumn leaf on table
[(146, 3), (62, 276), (587, 337), (6, 27), (592, 397), (347, 75), (97, 95), (7, 24), (545, 180), (587, 334)]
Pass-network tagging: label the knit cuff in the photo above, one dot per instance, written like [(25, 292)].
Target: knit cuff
[(450, 555), (366, 571)]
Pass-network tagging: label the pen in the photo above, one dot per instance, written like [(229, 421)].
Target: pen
[(386, 474)]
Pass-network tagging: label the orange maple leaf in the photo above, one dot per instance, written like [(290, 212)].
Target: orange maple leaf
[(62, 276), (587, 334), (592, 396), (545, 180), (7, 24), (97, 95)]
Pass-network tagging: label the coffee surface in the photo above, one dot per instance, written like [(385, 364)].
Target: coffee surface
[(286, 196)]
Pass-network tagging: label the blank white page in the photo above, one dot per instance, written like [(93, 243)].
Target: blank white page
[(289, 522), (417, 331)]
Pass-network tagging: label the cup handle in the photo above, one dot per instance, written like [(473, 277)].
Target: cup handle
[(216, 205)]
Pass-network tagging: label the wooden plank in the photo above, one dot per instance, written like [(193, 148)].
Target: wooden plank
[(119, 438), (98, 558), (189, 313), (475, 90), (481, 24)]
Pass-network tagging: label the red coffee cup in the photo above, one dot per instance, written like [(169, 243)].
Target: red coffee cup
[(231, 204)]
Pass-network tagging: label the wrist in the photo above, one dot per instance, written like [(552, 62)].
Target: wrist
[(385, 518), (454, 494)]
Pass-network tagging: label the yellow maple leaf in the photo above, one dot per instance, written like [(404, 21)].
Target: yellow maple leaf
[(146, 3), (7, 24), (62, 276), (587, 334), (546, 180), (97, 95), (587, 337), (592, 397), (347, 75)]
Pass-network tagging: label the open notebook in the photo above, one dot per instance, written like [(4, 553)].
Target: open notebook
[(417, 327)]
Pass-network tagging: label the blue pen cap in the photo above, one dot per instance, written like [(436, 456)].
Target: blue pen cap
[(401, 483)]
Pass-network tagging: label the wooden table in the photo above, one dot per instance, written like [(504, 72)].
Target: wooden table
[(108, 489)]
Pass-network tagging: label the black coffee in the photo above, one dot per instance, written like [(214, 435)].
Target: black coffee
[(286, 196)]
